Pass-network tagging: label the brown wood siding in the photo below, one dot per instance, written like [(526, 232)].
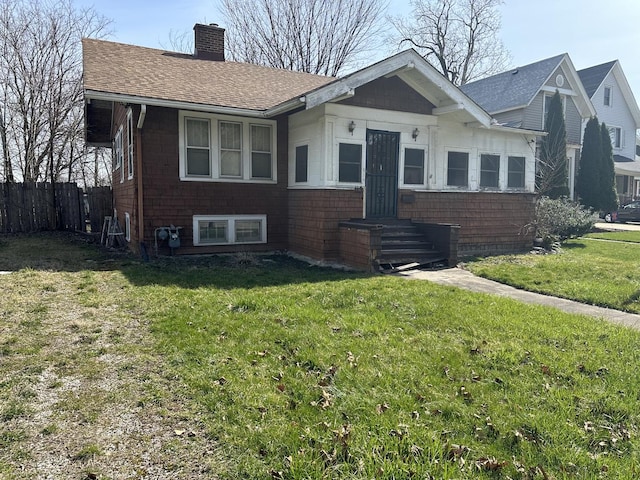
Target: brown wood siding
[(169, 201), (314, 216), (124, 192), (490, 223), (390, 94)]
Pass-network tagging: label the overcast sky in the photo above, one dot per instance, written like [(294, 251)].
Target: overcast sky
[(591, 32)]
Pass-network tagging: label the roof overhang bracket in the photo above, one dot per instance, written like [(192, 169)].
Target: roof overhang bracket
[(454, 107), (409, 66)]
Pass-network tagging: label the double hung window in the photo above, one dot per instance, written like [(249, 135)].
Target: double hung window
[(458, 169), (489, 170), (413, 166), (226, 149)]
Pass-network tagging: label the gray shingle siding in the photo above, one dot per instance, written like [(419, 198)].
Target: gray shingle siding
[(551, 81), (573, 122), (512, 118), (532, 118)]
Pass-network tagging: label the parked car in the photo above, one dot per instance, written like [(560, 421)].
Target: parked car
[(627, 213)]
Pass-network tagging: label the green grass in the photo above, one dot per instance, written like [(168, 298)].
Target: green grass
[(298, 372), (622, 236), (590, 270), (304, 376)]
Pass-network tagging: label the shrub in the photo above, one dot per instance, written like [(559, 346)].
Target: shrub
[(557, 220)]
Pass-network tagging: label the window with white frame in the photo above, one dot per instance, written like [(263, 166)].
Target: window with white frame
[(607, 96), (227, 230), (127, 227), (350, 162), (617, 137), (457, 169), (414, 166), (489, 170), (118, 152), (230, 149), (261, 151), (225, 148), (515, 172), (302, 160), (197, 147), (129, 145)]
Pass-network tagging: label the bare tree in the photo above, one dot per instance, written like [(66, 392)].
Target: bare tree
[(458, 37), (41, 87), (314, 36)]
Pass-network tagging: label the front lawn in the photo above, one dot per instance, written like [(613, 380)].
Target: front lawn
[(600, 269), (267, 368)]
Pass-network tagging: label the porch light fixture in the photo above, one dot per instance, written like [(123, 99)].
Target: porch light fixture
[(352, 127), (415, 134)]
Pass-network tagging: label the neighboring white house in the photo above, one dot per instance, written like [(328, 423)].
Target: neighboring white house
[(616, 106), (520, 98)]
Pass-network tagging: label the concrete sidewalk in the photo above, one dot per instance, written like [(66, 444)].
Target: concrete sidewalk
[(457, 277)]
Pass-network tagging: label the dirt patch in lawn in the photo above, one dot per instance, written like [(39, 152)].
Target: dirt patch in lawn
[(83, 393)]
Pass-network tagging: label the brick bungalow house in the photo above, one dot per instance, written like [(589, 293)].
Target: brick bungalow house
[(247, 158)]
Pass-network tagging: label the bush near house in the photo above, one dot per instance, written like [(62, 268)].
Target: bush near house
[(557, 220)]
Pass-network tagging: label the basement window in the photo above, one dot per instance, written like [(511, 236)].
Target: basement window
[(229, 230), (127, 227)]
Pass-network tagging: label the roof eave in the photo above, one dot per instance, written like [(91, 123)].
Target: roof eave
[(180, 105), (627, 93), (583, 99), (397, 64), (523, 131)]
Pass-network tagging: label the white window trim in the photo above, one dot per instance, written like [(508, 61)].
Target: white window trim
[(130, 141), (219, 152), (127, 227), (468, 186), (610, 96), (252, 151), (119, 152), (413, 146), (214, 148), (363, 162), (612, 129), (230, 219)]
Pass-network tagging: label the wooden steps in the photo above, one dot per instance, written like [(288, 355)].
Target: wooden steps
[(405, 247)]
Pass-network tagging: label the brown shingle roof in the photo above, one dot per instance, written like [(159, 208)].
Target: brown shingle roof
[(117, 68)]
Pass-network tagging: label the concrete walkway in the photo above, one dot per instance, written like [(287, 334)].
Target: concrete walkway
[(457, 277)]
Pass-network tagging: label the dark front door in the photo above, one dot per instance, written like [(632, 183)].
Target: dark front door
[(382, 173)]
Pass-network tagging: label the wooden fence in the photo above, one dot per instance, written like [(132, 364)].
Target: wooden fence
[(32, 207)]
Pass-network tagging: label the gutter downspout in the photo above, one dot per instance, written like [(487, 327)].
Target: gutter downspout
[(143, 114)]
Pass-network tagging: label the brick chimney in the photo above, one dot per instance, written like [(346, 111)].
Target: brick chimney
[(209, 42)]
